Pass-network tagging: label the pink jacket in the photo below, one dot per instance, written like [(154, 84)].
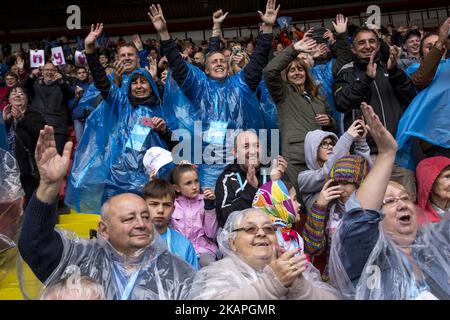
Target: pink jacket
[(195, 223)]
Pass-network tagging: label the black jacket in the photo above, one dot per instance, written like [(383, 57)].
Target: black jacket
[(389, 94), (51, 101), (27, 130), (230, 196)]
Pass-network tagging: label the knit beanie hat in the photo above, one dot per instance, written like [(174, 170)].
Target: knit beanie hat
[(352, 169)]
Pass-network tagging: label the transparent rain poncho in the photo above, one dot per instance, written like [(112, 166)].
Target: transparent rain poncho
[(367, 262), (207, 109), (11, 211), (422, 117), (224, 278), (153, 273), (108, 160)]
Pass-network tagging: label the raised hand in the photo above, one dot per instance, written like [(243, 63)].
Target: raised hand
[(320, 50), (383, 138), (159, 124), (372, 67), (118, 72), (152, 68), (322, 120), (52, 167), (208, 194), (20, 63), (279, 166), (329, 36), (288, 267), (35, 73), (328, 194), (393, 56), (7, 113), (137, 42), (251, 176), (219, 17), (305, 45), (357, 129), (164, 76), (89, 42), (444, 31), (270, 16), (156, 15), (341, 24)]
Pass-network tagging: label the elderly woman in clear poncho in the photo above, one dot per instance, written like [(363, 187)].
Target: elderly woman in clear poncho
[(379, 251), (254, 267)]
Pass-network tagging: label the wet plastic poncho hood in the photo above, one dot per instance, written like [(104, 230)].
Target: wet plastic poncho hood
[(422, 118), (108, 160), (232, 273)]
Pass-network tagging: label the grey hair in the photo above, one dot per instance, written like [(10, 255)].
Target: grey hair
[(106, 207)]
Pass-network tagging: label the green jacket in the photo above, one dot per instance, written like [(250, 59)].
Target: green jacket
[(296, 113)]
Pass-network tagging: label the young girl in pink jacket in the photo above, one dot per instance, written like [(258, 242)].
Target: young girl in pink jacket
[(195, 215)]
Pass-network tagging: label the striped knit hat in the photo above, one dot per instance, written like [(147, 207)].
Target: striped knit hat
[(351, 169)]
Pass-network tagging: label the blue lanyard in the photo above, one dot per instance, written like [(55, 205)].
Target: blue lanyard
[(239, 178), (130, 286)]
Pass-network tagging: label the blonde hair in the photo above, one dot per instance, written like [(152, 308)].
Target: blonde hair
[(397, 185)]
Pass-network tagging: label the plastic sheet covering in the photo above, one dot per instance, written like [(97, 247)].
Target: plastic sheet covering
[(232, 273), (398, 267), (218, 106), (323, 74), (11, 211), (109, 157), (268, 106), (156, 273), (427, 116)]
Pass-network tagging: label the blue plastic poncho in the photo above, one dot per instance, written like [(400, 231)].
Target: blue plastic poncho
[(427, 117), (323, 74), (109, 157), (207, 108), (268, 106)]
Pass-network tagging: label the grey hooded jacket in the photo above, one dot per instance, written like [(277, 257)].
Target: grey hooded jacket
[(310, 182)]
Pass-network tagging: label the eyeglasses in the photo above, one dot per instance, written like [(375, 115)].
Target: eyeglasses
[(269, 229), (394, 201), (326, 145)]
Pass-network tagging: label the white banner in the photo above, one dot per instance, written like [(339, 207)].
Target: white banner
[(80, 59), (58, 56), (37, 58)]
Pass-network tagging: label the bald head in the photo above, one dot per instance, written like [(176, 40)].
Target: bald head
[(125, 223), (247, 149)]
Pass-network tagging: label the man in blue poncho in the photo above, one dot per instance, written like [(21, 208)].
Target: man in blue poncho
[(423, 130), (219, 101), (118, 133)]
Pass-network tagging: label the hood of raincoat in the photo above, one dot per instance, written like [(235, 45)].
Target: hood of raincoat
[(312, 143), (427, 172), (153, 98)]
